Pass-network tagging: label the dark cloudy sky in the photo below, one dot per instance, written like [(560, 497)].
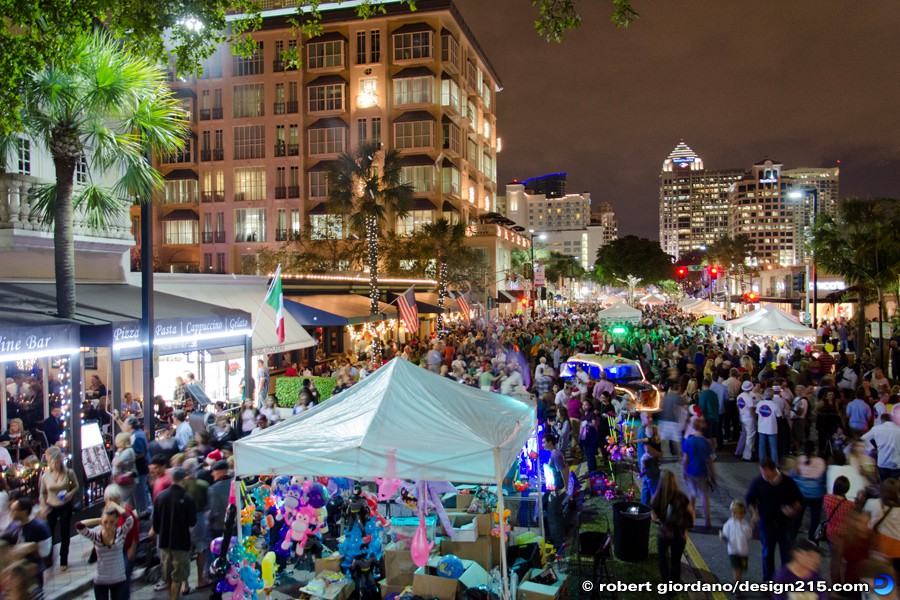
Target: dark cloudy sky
[(806, 82)]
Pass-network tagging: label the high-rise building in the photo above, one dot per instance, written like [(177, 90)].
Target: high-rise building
[(264, 132), (826, 182), (693, 201)]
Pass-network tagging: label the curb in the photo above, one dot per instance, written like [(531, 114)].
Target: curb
[(699, 566), (74, 589)]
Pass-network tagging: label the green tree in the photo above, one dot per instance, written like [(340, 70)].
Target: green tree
[(860, 244), (110, 107), (731, 252), (632, 255), (367, 192), (441, 239)]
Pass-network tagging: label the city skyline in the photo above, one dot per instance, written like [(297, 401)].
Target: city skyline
[(624, 97)]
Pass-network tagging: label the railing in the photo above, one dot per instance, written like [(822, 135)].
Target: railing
[(293, 191), (278, 108), (280, 149), (16, 212), (292, 106), (218, 154), (205, 114), (252, 236), (207, 237), (278, 65), (293, 150), (178, 157), (217, 112), (220, 237), (280, 192), (281, 235), (206, 154)]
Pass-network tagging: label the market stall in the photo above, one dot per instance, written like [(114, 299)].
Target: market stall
[(773, 322), (704, 307), (652, 300), (402, 422), (620, 313)]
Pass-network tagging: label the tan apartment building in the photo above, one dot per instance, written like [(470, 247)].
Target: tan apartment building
[(264, 134)]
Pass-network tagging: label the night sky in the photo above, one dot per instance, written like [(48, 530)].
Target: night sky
[(806, 82)]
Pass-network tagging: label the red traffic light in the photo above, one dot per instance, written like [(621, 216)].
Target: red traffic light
[(752, 297), (681, 271), (524, 301), (713, 272)]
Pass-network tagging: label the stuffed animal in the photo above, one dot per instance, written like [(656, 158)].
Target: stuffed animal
[(356, 510), (302, 522)]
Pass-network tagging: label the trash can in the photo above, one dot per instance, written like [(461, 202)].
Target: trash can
[(631, 531)]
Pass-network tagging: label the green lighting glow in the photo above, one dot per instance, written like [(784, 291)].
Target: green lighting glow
[(618, 330)]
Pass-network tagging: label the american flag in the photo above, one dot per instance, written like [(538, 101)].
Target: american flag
[(409, 312), (464, 306)]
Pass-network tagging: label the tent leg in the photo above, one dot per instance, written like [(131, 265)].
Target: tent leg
[(3, 415), (540, 496), (504, 573), (239, 507)]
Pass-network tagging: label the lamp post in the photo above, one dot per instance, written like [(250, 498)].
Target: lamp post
[(815, 271), (540, 236)]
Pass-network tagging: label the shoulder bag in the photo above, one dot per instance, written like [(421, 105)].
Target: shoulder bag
[(822, 530)]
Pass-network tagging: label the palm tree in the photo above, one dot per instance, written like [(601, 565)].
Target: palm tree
[(368, 193), (859, 243), (111, 108), (445, 239)]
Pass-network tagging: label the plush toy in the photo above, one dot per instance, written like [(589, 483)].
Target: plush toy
[(410, 501), (362, 571), (248, 584), (496, 530), (300, 526), (356, 510)]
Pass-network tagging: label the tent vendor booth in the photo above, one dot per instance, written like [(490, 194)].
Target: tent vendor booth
[(401, 423), (108, 326)]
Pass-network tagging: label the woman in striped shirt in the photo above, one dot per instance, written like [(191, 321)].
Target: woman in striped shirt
[(110, 582)]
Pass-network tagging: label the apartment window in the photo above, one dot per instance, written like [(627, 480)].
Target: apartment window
[(413, 90), (295, 221), (249, 184), (81, 170), (280, 183), (183, 155), (293, 140), (324, 55), (326, 97), (486, 127), (219, 148), (451, 137), (369, 134), (212, 66), (361, 54), (421, 178), (253, 65), (474, 155), (451, 181), (450, 94), (213, 186), (412, 46), (23, 156), (367, 96), (449, 50), (414, 220), (205, 152), (488, 165), (278, 64), (472, 114), (205, 105), (318, 184), (181, 191), (181, 232), (280, 144), (486, 96), (250, 225), (416, 134), (294, 182), (207, 226), (249, 142), (207, 262), (293, 105), (472, 75), (326, 141), (249, 100), (220, 262), (279, 106), (376, 130), (281, 227), (373, 55), (326, 227), (217, 104), (362, 128)]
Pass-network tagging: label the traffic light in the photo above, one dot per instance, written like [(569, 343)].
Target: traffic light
[(799, 281), (750, 298), (681, 272), (714, 272), (524, 302)]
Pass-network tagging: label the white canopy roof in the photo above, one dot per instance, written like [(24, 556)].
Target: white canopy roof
[(620, 312), (652, 300), (704, 307), (768, 320), (611, 299), (688, 302), (246, 293), (440, 431)]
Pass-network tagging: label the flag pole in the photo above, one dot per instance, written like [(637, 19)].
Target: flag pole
[(268, 291)]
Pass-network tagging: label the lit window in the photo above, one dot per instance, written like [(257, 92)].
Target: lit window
[(181, 232), (413, 90), (249, 184), (326, 227), (326, 141), (326, 97), (415, 134), (412, 46), (23, 157), (250, 225)]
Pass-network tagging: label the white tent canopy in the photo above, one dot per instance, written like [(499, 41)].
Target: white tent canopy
[(652, 300), (620, 312), (688, 302), (246, 293), (611, 299), (439, 430), (705, 307), (771, 321)]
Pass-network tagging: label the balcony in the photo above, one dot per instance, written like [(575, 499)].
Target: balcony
[(206, 155), (293, 150), (208, 197), (247, 236), (178, 158), (205, 114), (281, 235), (280, 192), (278, 65), (293, 106), (278, 108), (280, 149), (217, 112), (218, 154), (207, 237), (293, 191)]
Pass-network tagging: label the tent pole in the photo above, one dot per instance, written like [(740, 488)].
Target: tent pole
[(3, 405), (540, 488), (498, 472), (239, 506)]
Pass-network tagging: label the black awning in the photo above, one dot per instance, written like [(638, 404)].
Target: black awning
[(413, 28), (182, 214), (448, 207), (331, 36), (416, 160), (329, 123), (422, 204), (415, 116), (178, 174), (414, 72), (322, 166), (446, 119), (327, 80), (319, 209), (448, 163)]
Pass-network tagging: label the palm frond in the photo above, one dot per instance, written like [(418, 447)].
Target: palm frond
[(100, 206), (42, 198)]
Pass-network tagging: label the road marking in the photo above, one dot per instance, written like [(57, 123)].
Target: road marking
[(700, 564)]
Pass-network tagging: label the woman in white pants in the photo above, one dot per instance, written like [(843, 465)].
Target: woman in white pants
[(746, 403)]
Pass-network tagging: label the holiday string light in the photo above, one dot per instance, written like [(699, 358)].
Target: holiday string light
[(359, 278), (442, 293)]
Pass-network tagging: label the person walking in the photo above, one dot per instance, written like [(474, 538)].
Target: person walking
[(709, 407), (737, 532), (123, 464), (671, 417), (58, 490), (746, 405), (174, 513), (774, 500), (767, 414), (262, 386), (698, 467), (809, 475), (885, 437), (110, 580), (673, 512)]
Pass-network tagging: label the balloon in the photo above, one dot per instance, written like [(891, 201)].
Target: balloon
[(829, 347), (450, 567), (420, 547), (317, 495), (219, 567), (268, 570), (215, 546)]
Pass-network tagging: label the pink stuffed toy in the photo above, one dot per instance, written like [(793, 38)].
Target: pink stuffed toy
[(303, 519)]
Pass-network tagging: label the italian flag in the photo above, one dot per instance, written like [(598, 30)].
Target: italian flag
[(275, 299)]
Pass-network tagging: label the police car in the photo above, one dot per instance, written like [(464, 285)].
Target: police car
[(625, 374)]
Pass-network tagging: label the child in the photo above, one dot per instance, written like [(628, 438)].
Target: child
[(737, 532)]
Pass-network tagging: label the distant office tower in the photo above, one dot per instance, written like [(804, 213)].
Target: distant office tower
[(547, 207), (693, 201)]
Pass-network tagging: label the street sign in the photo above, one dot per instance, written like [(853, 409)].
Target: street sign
[(805, 318), (695, 267), (539, 279)]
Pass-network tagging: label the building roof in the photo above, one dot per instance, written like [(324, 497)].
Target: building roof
[(682, 150)]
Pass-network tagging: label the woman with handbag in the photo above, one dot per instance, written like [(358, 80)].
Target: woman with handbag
[(673, 512), (838, 510), (58, 490), (124, 469)]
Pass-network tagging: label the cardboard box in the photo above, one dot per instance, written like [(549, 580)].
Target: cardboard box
[(463, 501), (398, 563), (428, 584), (483, 523), (478, 551), (465, 527), (528, 590), (395, 585), (331, 563)]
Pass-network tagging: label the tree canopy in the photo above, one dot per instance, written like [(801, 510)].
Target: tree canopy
[(632, 255)]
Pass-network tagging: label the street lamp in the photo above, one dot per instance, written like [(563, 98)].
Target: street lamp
[(815, 271), (542, 237)]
